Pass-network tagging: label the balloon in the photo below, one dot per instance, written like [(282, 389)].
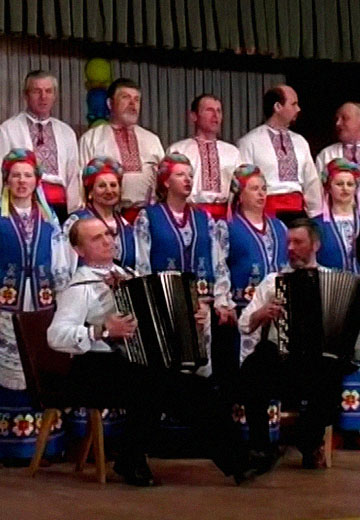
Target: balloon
[(98, 70), (96, 84), (96, 102)]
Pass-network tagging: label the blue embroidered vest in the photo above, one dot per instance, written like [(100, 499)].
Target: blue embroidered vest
[(168, 251), (16, 265), (332, 252), (248, 261)]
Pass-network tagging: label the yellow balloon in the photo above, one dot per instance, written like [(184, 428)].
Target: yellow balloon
[(98, 70)]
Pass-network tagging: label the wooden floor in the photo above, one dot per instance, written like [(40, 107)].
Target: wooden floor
[(191, 489)]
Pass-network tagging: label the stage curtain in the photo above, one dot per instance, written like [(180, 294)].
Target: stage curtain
[(326, 29), (167, 91)]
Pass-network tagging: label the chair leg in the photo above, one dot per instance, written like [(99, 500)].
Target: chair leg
[(328, 446), (98, 437), (85, 447), (49, 417)]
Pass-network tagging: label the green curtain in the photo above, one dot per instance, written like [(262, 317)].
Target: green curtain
[(325, 29)]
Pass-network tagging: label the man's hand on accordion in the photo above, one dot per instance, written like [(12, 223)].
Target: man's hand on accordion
[(271, 311), (202, 314), (120, 326)]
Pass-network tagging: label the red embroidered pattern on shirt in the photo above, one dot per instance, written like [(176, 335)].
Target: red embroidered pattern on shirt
[(210, 165), (129, 150), (43, 140), (351, 152), (285, 154)]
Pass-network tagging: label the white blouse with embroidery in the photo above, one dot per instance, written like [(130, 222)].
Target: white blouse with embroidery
[(346, 227)]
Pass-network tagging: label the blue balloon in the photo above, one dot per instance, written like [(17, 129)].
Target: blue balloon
[(96, 102)]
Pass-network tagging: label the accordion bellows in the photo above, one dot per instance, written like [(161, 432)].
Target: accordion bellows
[(164, 305), (321, 312)]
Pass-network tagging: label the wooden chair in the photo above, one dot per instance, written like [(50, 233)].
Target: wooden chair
[(45, 374)]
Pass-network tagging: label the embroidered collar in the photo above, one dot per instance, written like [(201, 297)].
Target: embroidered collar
[(117, 128), (351, 143), (105, 268), (22, 211), (202, 140), (175, 221), (35, 119), (279, 129), (256, 229)]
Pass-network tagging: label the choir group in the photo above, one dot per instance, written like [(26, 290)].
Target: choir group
[(204, 206)]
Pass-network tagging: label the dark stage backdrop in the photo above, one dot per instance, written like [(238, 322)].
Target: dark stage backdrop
[(322, 87)]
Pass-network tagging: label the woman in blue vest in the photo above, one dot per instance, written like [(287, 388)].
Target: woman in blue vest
[(33, 264), (172, 235), (339, 224), (253, 244), (102, 187), (340, 227)]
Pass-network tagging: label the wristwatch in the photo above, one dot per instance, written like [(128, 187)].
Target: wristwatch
[(97, 332)]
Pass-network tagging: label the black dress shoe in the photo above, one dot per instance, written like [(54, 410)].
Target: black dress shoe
[(242, 470), (243, 475), (263, 461), (136, 472)]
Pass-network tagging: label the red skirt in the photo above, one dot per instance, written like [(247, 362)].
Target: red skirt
[(217, 211)]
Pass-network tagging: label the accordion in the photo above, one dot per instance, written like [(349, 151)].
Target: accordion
[(321, 312), (164, 306)]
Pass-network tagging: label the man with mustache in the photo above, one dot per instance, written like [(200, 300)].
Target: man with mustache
[(284, 158), (136, 148), (309, 380)]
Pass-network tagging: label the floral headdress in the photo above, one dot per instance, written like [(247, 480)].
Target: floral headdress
[(164, 170), (334, 167), (23, 155)]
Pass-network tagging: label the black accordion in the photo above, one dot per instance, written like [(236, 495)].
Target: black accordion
[(164, 306), (321, 312)]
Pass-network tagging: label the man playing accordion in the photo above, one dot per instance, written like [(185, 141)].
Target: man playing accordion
[(86, 324), (308, 376)]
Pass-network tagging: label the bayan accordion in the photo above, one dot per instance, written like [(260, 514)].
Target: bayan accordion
[(321, 312), (164, 305)]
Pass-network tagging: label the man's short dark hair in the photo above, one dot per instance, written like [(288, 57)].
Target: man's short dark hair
[(311, 227), (272, 96), (119, 83), (196, 102), (74, 233)]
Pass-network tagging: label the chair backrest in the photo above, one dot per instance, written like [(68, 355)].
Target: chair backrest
[(43, 367)]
